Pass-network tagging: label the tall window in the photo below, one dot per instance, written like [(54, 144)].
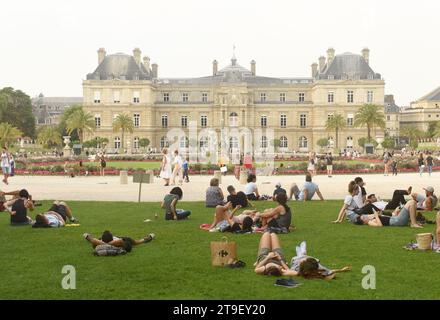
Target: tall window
[(117, 142), (233, 143), (233, 119), (116, 97), (164, 121), (136, 120), (263, 97), (350, 96), (263, 142), (136, 142), (204, 97), (184, 121), (301, 97), (283, 121), (166, 96), (303, 143), (203, 142), (331, 97), (350, 120), (97, 97), (369, 96), (283, 142), (185, 97), (184, 142), (136, 97), (263, 121), (303, 120), (164, 142), (330, 116), (98, 121), (203, 121), (388, 118), (282, 97)]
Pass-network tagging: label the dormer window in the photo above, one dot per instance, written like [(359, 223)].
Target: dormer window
[(370, 76), (331, 77)]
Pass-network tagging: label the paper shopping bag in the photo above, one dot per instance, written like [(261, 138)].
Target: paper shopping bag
[(223, 252)]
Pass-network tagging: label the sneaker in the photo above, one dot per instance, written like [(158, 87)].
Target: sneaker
[(73, 220), (149, 238), (87, 236), (213, 230)]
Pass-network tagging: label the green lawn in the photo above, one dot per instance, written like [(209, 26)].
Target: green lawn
[(177, 264)]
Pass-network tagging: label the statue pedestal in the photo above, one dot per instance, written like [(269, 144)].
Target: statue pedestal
[(67, 151)]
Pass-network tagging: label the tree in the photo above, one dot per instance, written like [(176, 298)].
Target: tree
[(8, 134), (276, 143), (389, 143), (369, 115), (49, 136), (336, 123), (144, 142), (124, 123), (62, 126), (363, 141), (81, 122), (432, 129), (16, 109), (412, 133), (323, 142)]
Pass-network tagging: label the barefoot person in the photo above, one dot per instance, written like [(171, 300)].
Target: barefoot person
[(399, 218), (165, 170), (279, 217)]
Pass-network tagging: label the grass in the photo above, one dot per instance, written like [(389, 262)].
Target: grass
[(176, 265)]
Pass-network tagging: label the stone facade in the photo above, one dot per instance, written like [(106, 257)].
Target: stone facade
[(48, 110), (234, 97)]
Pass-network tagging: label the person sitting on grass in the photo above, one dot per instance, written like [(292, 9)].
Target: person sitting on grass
[(426, 202), (279, 217), (278, 190), (18, 208), (237, 198), (251, 188), (3, 200), (120, 242), (214, 194), (169, 203), (350, 205), (307, 192), (50, 219)]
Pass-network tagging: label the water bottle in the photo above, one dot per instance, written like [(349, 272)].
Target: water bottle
[(156, 216)]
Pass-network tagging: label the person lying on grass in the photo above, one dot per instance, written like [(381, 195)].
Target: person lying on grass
[(271, 261), (372, 204), (169, 203), (224, 219), (278, 217), (18, 208), (120, 242), (55, 217)]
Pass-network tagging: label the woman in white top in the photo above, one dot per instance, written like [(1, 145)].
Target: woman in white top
[(251, 189), (349, 206), (165, 170), (311, 167), (6, 166)]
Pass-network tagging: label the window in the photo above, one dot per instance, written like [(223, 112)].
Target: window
[(283, 121), (283, 142), (350, 120), (282, 97), (350, 96), (204, 97), (164, 142), (303, 143), (263, 142), (330, 116), (98, 121), (184, 142), (203, 142), (263, 121), (136, 97), (301, 97), (97, 97), (136, 120), (262, 97), (303, 120), (233, 119), (185, 97), (164, 121), (166, 96), (388, 118), (429, 116), (136, 142), (184, 121), (204, 121), (116, 97), (369, 96), (349, 142), (331, 97), (117, 142)]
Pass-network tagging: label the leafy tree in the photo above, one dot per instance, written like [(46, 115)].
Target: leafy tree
[(16, 109), (432, 129), (336, 123), (412, 133), (389, 143), (323, 142), (123, 123), (276, 143), (8, 134), (363, 141), (81, 122), (144, 142), (62, 126), (49, 136), (370, 116)]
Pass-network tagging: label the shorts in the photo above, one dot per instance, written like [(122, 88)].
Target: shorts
[(6, 170), (263, 252), (400, 220), (329, 167), (60, 209), (352, 216)]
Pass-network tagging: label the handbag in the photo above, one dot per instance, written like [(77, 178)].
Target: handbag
[(223, 252)]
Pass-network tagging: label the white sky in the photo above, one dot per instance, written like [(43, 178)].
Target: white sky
[(49, 46)]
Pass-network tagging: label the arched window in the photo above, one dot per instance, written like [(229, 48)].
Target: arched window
[(233, 143), (283, 142), (303, 143), (203, 142), (184, 142), (136, 142), (349, 142), (117, 142), (233, 119), (263, 142), (164, 142)]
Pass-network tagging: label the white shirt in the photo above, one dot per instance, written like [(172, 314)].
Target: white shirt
[(178, 160), (351, 203), (250, 188), (358, 199), (5, 159)]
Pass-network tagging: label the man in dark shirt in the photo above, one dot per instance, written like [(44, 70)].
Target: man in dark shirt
[(429, 163), (278, 190), (237, 198), (329, 162)]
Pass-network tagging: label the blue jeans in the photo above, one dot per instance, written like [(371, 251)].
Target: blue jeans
[(421, 169), (430, 169), (182, 214), (401, 220)]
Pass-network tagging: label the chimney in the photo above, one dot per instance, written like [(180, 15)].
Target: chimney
[(366, 55), (137, 56), (330, 55), (314, 69), (253, 67), (321, 63), (214, 67), (101, 55), (147, 63), (154, 70)]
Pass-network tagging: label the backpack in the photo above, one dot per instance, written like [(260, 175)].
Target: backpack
[(108, 250)]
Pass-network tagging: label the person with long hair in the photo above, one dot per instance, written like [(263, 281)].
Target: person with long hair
[(169, 203), (165, 169), (279, 217)]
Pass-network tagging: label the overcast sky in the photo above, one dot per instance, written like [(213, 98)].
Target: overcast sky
[(49, 46)]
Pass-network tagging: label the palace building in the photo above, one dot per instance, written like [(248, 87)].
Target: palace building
[(296, 109)]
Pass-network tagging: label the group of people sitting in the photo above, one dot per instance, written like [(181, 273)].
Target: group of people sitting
[(361, 209)]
